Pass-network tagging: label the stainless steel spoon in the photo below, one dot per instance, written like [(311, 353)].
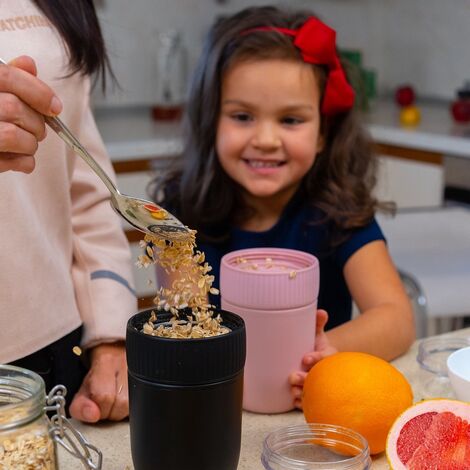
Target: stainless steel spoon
[(132, 209)]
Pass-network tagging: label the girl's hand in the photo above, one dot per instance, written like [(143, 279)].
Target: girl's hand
[(323, 348), (104, 391), (23, 100)]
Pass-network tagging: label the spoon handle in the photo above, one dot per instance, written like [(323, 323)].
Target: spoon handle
[(66, 135)]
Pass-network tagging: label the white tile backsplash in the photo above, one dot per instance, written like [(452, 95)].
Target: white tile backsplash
[(425, 42)]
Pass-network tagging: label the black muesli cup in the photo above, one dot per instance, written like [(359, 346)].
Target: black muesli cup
[(185, 397)]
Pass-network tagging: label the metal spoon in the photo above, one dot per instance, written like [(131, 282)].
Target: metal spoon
[(130, 208)]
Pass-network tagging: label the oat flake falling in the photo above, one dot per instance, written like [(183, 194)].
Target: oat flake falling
[(189, 291)]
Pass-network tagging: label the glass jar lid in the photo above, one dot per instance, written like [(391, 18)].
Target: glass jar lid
[(433, 353)]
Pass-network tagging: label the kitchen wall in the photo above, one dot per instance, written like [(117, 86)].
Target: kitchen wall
[(424, 42)]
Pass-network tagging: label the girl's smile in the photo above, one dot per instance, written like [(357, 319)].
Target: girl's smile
[(263, 167), (268, 130)]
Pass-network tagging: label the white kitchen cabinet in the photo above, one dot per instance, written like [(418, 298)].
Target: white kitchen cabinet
[(409, 183)]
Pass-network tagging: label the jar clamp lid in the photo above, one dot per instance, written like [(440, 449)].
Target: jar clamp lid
[(65, 434)]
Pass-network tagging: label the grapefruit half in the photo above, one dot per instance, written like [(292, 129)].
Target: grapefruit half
[(433, 434)]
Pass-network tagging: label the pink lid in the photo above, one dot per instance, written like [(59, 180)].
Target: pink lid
[(269, 278)]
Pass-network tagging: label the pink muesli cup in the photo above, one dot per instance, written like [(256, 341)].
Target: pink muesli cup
[(275, 291)]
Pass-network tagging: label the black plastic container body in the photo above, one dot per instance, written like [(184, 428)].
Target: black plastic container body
[(185, 398), (186, 428)]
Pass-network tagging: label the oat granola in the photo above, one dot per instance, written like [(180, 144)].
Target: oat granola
[(27, 450), (188, 293)]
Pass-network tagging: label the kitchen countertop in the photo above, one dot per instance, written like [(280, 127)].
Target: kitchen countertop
[(113, 439), (131, 134)]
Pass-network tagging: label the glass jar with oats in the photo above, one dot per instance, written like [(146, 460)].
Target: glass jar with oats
[(25, 442), (27, 435)]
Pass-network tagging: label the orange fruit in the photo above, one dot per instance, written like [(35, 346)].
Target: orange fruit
[(358, 391), (410, 116)]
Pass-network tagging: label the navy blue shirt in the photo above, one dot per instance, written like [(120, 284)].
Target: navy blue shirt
[(296, 229)]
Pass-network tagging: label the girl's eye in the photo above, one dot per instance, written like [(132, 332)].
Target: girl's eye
[(291, 120), (242, 117)]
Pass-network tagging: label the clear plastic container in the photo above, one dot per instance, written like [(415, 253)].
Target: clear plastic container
[(25, 441), (432, 359), (315, 447)]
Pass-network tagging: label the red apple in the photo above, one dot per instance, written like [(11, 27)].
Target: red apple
[(405, 95), (461, 110)]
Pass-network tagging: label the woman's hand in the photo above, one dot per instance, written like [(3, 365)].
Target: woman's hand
[(23, 101), (323, 348), (104, 391)]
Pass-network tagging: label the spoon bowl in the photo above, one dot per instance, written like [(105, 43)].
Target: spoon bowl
[(136, 212)]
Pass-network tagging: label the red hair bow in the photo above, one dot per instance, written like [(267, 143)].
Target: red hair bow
[(317, 44)]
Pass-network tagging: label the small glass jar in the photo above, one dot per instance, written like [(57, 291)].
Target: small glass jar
[(432, 359), (27, 436), (315, 447), (25, 441)]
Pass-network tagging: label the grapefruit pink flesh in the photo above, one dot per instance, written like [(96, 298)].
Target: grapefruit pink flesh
[(431, 435), (412, 435), (444, 445)]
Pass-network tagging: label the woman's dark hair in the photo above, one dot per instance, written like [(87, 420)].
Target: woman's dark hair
[(78, 25), (204, 196)]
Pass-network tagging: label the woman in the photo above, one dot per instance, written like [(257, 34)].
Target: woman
[(66, 272)]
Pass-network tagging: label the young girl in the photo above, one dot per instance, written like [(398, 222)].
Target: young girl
[(275, 156), (65, 261)]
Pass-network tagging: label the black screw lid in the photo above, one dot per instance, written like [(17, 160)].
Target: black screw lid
[(185, 361), (464, 92)]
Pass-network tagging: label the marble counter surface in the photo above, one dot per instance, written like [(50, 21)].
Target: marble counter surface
[(113, 438), (131, 134)]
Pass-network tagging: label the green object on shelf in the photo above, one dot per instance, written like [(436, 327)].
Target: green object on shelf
[(363, 80), (369, 78), (354, 56)]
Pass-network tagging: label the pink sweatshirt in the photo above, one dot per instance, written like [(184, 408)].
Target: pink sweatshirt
[(64, 259)]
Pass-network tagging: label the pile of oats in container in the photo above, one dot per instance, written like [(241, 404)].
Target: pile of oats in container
[(27, 448), (188, 293)]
